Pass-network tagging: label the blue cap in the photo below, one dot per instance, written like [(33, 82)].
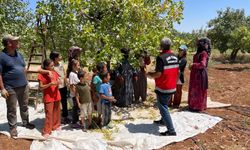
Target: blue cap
[(183, 48)]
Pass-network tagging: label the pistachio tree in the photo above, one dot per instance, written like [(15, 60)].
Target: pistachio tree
[(239, 41), (103, 27), (16, 19), (228, 31)]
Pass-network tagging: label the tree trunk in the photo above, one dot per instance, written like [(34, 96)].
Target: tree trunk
[(234, 54), (53, 41)]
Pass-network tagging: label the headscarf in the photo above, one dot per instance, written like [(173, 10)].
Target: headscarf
[(201, 45), (74, 52), (183, 48), (125, 52)]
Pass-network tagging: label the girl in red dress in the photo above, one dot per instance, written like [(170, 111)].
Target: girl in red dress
[(51, 98)]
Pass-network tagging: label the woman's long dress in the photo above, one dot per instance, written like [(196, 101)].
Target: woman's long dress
[(124, 93), (198, 84)]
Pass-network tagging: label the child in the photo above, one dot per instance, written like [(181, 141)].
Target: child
[(96, 82), (51, 98), (56, 57), (140, 85), (182, 65), (73, 53), (73, 80), (83, 98), (106, 99), (93, 88)]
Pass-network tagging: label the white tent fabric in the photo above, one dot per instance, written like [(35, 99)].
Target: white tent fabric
[(137, 133)]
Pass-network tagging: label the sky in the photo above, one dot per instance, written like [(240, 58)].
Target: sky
[(197, 13)]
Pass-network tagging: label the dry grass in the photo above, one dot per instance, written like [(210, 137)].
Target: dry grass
[(224, 58), (218, 58)]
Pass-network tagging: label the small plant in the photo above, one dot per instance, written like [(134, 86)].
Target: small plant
[(151, 99), (107, 134), (119, 114), (152, 113), (117, 122), (246, 123)]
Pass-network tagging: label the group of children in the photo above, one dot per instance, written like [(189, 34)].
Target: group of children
[(53, 81)]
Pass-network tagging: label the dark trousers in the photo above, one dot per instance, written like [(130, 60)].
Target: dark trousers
[(176, 99), (75, 109), (63, 92), (140, 87), (177, 96), (19, 94), (106, 113)]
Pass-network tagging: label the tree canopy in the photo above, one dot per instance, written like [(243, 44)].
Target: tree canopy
[(230, 30), (103, 27), (16, 19), (100, 27)]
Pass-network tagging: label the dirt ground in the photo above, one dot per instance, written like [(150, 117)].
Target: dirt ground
[(228, 83)]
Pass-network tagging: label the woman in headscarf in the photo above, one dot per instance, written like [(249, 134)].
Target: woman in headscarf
[(123, 89), (198, 84)]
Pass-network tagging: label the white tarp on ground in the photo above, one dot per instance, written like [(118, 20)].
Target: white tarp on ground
[(210, 103), (139, 133)]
